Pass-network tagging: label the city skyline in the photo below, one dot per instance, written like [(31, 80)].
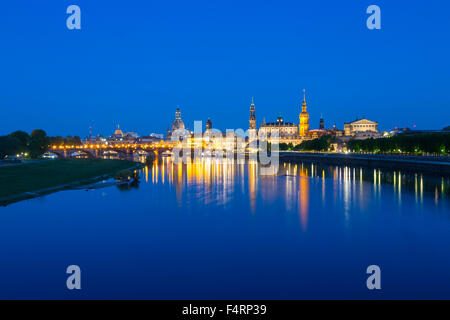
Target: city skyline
[(227, 158), (211, 58), (322, 120)]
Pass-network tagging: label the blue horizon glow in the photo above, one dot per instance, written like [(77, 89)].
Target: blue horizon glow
[(132, 63)]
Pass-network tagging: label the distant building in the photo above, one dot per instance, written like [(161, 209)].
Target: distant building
[(118, 134), (335, 132), (252, 120), (321, 123), (281, 127), (303, 127), (132, 135), (148, 139), (288, 132), (208, 125), (317, 133), (252, 130), (414, 131), (358, 127), (367, 135), (177, 125), (214, 140)]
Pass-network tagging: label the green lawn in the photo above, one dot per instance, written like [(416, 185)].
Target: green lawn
[(17, 179)]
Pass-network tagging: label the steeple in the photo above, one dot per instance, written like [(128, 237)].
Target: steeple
[(303, 127), (178, 113), (321, 123), (252, 120), (304, 101), (208, 124)]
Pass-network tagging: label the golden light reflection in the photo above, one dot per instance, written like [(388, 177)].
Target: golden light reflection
[(214, 181), (303, 198), (253, 180)]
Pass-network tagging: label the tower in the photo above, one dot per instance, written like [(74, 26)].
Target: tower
[(252, 132), (208, 124), (178, 114), (252, 120), (303, 127), (321, 123)]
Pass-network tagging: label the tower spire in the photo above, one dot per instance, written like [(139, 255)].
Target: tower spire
[(304, 101), (303, 127), (252, 120)]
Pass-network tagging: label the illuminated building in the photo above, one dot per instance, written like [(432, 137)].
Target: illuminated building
[(252, 131), (214, 140), (208, 125), (284, 130), (316, 133), (118, 133), (252, 120), (287, 132), (303, 127), (361, 128), (177, 125)]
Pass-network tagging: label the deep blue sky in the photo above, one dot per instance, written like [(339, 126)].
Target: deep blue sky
[(134, 61)]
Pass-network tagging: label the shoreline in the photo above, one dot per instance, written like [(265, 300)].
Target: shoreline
[(436, 165), (73, 185)]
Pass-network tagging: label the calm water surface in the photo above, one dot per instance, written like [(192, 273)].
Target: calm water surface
[(221, 231)]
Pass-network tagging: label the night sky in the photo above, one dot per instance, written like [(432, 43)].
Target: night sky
[(133, 62)]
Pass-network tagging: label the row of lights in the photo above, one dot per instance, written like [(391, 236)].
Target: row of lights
[(98, 146)]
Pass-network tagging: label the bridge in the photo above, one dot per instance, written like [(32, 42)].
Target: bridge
[(104, 150)]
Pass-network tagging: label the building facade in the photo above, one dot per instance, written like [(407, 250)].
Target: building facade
[(359, 127), (285, 132), (282, 131)]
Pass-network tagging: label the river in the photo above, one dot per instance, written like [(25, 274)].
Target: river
[(224, 231)]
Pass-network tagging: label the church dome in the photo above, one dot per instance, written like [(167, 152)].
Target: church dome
[(177, 124), (118, 132)]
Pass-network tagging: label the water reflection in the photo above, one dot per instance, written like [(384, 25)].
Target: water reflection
[(210, 181), (227, 222), (128, 186)]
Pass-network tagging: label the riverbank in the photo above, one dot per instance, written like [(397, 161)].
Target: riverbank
[(437, 165), (29, 180)]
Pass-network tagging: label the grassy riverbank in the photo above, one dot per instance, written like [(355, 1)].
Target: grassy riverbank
[(32, 177)]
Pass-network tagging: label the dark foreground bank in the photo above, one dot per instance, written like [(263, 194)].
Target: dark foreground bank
[(26, 179), (438, 165)]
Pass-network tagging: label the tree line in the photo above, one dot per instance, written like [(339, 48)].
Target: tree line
[(32, 145), (425, 143), (320, 144), (430, 143)]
